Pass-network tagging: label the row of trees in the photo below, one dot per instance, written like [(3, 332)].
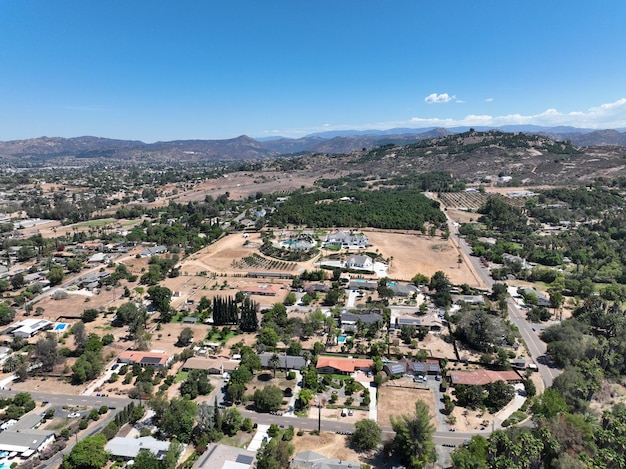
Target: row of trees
[(228, 311)]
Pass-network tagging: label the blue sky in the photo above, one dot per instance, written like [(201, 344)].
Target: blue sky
[(164, 70)]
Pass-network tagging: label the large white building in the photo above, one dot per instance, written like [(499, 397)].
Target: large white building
[(30, 327)]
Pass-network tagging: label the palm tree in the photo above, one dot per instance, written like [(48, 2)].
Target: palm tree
[(274, 362)]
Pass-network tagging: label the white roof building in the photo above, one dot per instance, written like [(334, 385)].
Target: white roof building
[(128, 448), (29, 327)]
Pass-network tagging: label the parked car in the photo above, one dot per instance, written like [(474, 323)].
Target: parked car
[(350, 412), (74, 415)]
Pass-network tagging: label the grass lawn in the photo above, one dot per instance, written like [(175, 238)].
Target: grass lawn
[(216, 337), (240, 440), (98, 222), (181, 376)]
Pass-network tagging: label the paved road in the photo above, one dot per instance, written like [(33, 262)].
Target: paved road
[(536, 346), (115, 404)]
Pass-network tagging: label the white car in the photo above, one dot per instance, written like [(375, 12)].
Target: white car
[(74, 415)]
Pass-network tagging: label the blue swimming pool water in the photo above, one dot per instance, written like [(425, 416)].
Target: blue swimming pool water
[(59, 327), (391, 284), (341, 339)]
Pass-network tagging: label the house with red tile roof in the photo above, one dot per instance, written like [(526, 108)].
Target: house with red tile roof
[(341, 365), (154, 358)]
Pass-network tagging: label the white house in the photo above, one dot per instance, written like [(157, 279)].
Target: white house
[(360, 262), (29, 327), (346, 239)]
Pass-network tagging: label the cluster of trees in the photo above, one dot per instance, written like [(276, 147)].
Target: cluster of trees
[(481, 330), (90, 363), (387, 209), (239, 378), (159, 267), (230, 311), (17, 406), (196, 384), (559, 440), (493, 396)]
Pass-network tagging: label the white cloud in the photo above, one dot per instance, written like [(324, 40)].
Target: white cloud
[(604, 116), (489, 100), (438, 98)]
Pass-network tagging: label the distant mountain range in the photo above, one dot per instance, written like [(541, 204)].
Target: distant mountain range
[(244, 148)]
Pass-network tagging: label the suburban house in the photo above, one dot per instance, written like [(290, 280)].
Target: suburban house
[(394, 369), (219, 456), (287, 362), (214, 366), (469, 299), (483, 377), (345, 239), (342, 365), (148, 252), (429, 367), (93, 280), (403, 291), (302, 242), (23, 439), (129, 448), (359, 284), (542, 299), (264, 290), (313, 460), (29, 327), (360, 263), (433, 322), (316, 288), (158, 359), (348, 321)]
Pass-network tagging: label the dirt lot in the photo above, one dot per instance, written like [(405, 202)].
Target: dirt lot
[(433, 343), (413, 254), (226, 255), (327, 444), (243, 184), (396, 401)]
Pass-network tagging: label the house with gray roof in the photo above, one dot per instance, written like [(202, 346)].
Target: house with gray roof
[(403, 290), (394, 369), (313, 460), (349, 320), (151, 251), (287, 362), (358, 262), (129, 448), (346, 239), (219, 456), (23, 439)]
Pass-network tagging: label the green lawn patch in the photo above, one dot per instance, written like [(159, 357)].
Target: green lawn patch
[(181, 376), (515, 418), (96, 223)]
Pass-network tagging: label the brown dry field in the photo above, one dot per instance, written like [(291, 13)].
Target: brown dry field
[(225, 256), (245, 183), (433, 343), (327, 444), (401, 400), (413, 254)]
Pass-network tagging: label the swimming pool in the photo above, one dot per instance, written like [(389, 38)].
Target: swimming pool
[(59, 327), (341, 339)]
